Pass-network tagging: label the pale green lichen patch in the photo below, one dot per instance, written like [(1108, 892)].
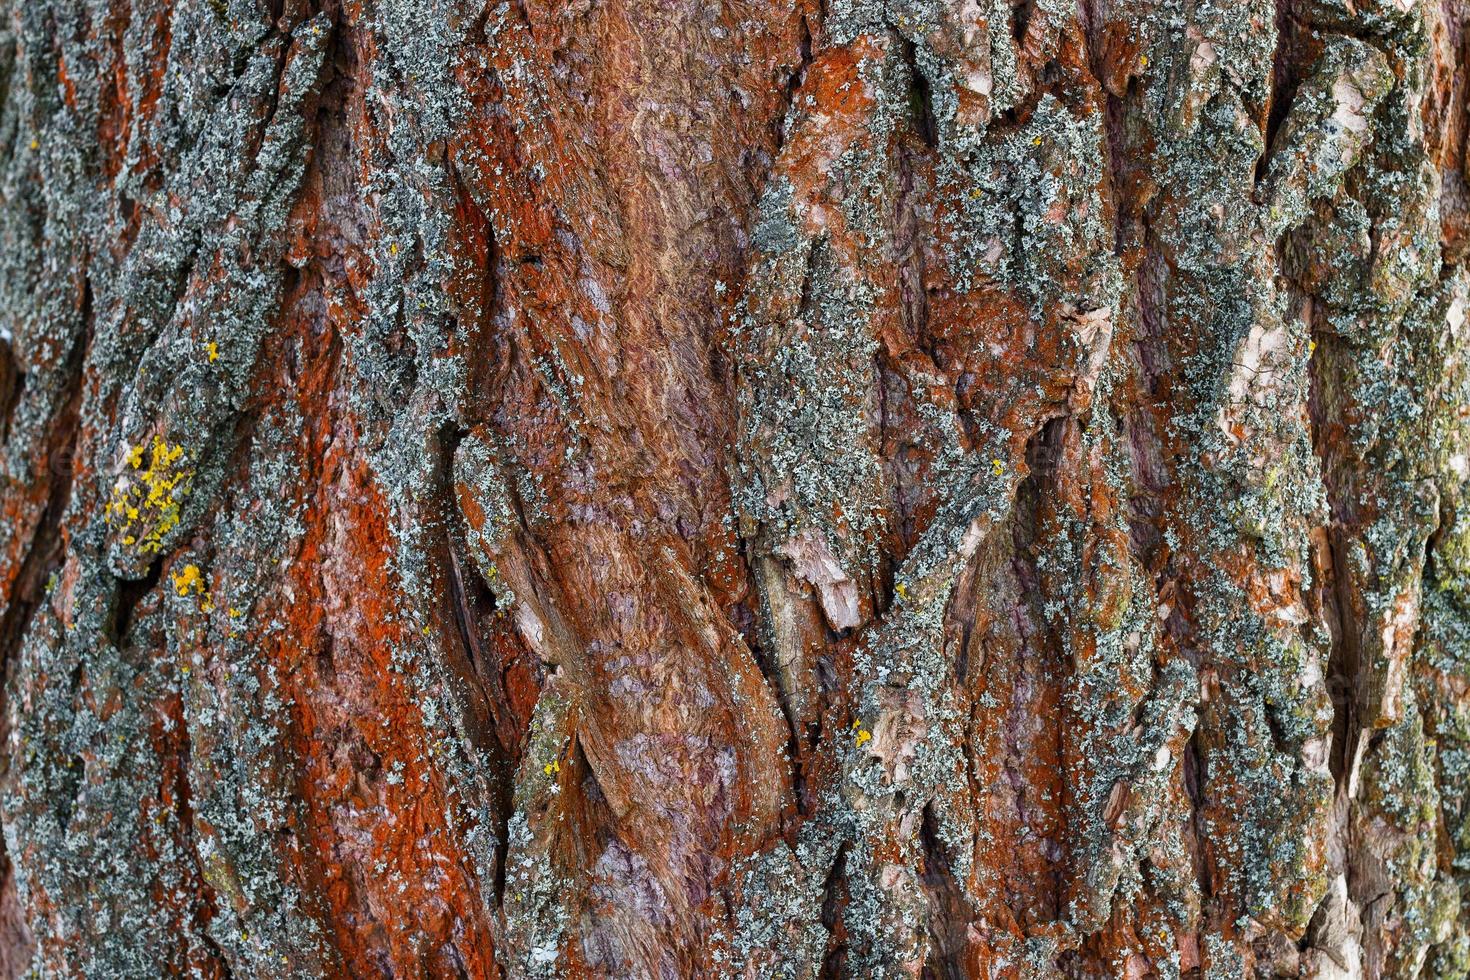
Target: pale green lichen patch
[(534, 901), (1324, 134)]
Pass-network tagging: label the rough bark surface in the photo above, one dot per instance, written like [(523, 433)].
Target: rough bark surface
[(836, 488)]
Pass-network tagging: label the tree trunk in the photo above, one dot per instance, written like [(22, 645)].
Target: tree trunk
[(840, 488)]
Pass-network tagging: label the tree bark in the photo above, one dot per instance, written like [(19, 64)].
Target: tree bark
[(839, 488)]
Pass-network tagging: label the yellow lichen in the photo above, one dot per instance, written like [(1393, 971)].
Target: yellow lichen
[(997, 467), (190, 581), (186, 579), (145, 501), (212, 349)]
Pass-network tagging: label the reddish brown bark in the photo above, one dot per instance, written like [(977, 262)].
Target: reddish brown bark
[(672, 490)]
